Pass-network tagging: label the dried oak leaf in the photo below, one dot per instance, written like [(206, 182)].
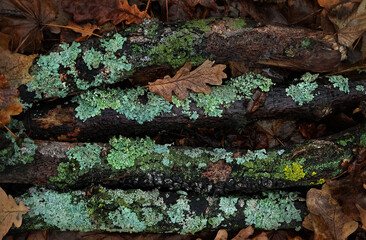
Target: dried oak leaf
[(26, 21), (326, 217), (244, 233), (86, 30), (15, 66), (9, 104), (104, 11), (183, 80), (218, 172), (10, 212)]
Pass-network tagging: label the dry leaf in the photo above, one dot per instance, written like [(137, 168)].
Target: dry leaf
[(183, 80), (362, 216), (26, 22), (10, 212), (276, 130), (221, 235), (351, 21), (244, 233), (103, 11), (327, 218), (14, 66), (9, 104)]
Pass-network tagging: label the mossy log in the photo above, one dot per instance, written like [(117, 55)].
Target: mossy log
[(59, 120), (144, 164), (160, 47), (159, 212)]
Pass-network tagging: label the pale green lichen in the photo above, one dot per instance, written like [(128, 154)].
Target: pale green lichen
[(125, 151), (128, 102), (20, 151), (251, 156), (59, 210), (52, 83), (127, 220), (87, 156), (47, 78), (269, 213), (340, 82), (216, 221), (227, 205), (360, 88), (295, 172), (303, 92)]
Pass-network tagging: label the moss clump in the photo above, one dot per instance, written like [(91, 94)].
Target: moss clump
[(294, 173), (200, 24), (269, 213), (238, 23), (363, 140), (345, 142), (303, 91), (177, 49)]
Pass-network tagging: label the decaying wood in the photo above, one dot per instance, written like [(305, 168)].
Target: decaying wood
[(57, 120), (219, 177)]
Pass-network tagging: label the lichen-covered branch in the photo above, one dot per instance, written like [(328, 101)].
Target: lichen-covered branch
[(141, 163), (80, 66), (101, 113), (154, 211)]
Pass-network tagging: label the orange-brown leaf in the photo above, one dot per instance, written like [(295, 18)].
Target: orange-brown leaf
[(327, 219), (9, 104), (244, 233), (184, 79), (10, 212), (103, 11)]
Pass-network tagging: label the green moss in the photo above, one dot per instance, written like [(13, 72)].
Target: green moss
[(87, 155), (20, 151), (200, 24), (339, 82), (363, 140), (306, 42), (303, 92), (294, 173), (176, 50), (216, 221), (67, 175), (272, 211), (344, 142), (238, 23)]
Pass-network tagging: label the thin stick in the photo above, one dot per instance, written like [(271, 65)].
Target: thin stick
[(15, 136)]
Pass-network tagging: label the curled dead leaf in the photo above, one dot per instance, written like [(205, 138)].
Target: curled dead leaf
[(9, 104)]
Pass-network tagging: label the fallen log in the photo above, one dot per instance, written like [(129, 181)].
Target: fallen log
[(141, 163), (161, 47), (158, 212), (81, 119)]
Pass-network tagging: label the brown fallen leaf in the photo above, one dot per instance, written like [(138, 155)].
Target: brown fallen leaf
[(103, 11), (10, 212), (26, 22), (86, 30), (9, 104), (14, 66), (362, 216), (244, 233), (184, 79), (326, 217), (221, 235)]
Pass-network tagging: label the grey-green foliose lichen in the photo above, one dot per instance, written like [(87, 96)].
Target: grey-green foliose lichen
[(128, 102), (20, 151), (302, 92), (153, 211), (142, 156), (57, 73)]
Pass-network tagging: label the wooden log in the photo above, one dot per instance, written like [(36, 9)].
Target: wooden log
[(159, 212), (61, 121), (109, 60), (144, 164)]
